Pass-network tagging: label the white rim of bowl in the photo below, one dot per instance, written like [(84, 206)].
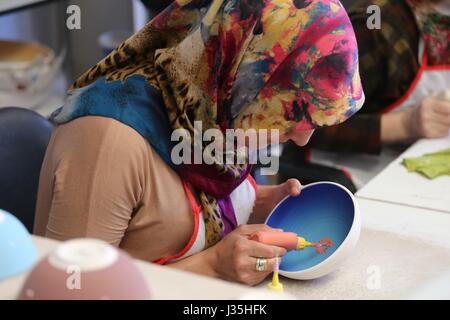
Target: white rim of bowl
[(83, 255), (355, 209), (2, 216)]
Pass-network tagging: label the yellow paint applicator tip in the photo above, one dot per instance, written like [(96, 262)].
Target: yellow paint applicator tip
[(302, 243)]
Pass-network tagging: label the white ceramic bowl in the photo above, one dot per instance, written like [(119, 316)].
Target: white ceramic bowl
[(323, 210), (27, 71)]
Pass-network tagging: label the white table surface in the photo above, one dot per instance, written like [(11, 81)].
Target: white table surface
[(407, 248), (383, 266), (405, 264), (426, 225), (396, 185), (164, 282)]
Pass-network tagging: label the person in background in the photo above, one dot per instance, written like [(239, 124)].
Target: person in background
[(231, 64), (405, 71)]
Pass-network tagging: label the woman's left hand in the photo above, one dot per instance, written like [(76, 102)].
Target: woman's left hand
[(267, 197)]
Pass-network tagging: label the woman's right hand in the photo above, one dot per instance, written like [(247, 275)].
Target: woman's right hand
[(431, 119), (234, 257)]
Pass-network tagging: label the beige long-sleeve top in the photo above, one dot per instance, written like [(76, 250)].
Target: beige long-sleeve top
[(102, 179)]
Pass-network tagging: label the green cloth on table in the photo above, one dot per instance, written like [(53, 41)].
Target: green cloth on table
[(431, 165)]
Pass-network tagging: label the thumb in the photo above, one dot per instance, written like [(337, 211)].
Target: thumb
[(292, 187)]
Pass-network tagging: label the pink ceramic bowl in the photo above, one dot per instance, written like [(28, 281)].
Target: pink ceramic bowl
[(85, 269)]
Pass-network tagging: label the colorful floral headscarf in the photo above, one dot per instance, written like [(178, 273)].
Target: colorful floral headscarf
[(272, 64)]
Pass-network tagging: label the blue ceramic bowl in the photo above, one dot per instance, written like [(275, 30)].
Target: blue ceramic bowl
[(323, 210), (17, 250)]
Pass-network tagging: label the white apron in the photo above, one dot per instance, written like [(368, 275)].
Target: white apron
[(429, 80)]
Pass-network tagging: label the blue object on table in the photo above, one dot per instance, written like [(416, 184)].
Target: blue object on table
[(323, 210), (17, 250)]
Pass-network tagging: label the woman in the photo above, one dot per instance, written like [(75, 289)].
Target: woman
[(233, 64), (405, 70)]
